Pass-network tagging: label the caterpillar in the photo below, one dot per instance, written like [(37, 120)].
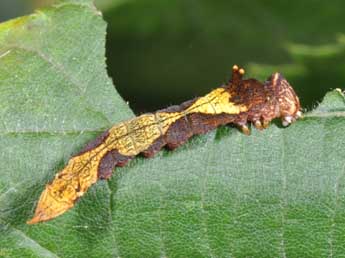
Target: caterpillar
[(239, 102)]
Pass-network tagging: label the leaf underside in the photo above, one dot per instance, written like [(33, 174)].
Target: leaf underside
[(276, 193)]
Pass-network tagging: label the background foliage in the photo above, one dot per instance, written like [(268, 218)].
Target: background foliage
[(164, 52)]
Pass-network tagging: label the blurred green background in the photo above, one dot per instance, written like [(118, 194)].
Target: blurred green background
[(162, 52)]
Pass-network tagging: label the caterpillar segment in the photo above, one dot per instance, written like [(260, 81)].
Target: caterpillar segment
[(240, 102)]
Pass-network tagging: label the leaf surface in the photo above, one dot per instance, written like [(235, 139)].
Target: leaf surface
[(276, 193)]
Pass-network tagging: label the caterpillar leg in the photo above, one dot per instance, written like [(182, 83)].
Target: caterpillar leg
[(258, 125), (288, 119), (265, 124), (244, 128), (261, 122)]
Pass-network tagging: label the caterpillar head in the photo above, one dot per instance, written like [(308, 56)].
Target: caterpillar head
[(288, 107), (273, 99)]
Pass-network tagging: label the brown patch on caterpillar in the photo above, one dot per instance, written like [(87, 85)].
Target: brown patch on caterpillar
[(184, 128), (94, 143), (193, 124), (239, 102), (155, 147), (178, 133), (109, 161), (203, 123)]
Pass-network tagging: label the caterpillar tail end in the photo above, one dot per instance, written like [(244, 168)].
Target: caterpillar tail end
[(48, 208)]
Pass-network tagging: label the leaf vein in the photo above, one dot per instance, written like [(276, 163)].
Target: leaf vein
[(32, 244), (336, 208), (111, 224), (283, 198), (202, 199)]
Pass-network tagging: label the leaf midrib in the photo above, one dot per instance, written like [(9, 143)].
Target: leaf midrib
[(309, 115), (24, 235)]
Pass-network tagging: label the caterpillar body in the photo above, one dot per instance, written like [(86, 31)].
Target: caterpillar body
[(239, 102)]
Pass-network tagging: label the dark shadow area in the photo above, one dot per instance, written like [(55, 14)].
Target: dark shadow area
[(162, 53), (10, 9)]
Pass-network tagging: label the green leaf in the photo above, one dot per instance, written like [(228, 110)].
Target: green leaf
[(276, 193)]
